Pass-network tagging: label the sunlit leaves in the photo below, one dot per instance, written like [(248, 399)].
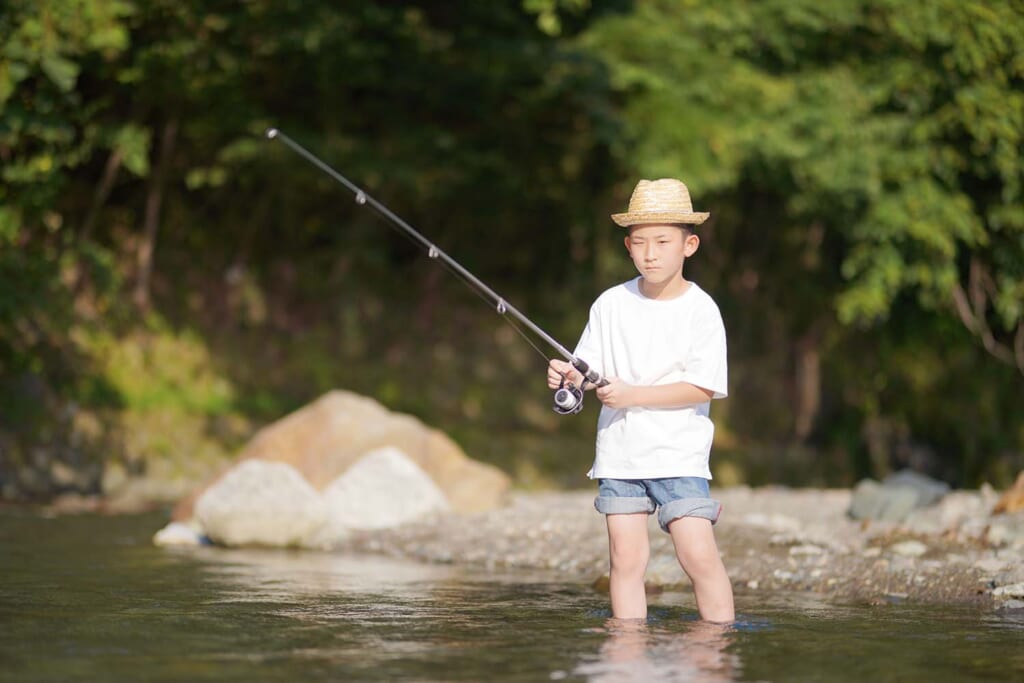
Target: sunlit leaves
[(898, 123)]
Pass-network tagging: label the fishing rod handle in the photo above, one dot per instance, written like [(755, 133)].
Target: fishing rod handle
[(589, 374)]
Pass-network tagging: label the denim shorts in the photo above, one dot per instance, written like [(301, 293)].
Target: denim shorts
[(672, 497)]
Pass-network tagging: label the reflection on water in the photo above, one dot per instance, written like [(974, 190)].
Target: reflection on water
[(638, 651), (89, 598), (272, 574)]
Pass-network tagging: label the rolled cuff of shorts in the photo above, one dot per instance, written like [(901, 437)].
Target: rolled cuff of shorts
[(705, 508), (623, 505)]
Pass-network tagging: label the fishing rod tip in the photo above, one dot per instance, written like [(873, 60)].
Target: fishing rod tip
[(271, 133)]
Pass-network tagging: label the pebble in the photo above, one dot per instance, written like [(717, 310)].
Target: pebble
[(179, 534), (771, 539), (806, 550), (990, 565), (909, 548)]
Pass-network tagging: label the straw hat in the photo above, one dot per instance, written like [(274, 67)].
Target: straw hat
[(660, 201)]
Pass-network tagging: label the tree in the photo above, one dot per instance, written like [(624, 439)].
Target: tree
[(867, 158)]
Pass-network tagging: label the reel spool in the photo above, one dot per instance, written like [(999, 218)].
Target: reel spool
[(568, 399)]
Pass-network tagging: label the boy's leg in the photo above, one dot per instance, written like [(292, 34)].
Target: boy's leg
[(694, 541), (628, 551)]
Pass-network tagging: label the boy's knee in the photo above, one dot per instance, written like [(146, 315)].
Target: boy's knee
[(701, 561), (631, 560), (695, 545)]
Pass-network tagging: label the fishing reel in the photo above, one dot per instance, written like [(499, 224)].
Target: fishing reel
[(569, 398)]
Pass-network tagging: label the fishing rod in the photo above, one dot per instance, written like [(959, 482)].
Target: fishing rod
[(568, 398)]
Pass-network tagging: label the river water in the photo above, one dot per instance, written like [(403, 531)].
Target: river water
[(89, 598)]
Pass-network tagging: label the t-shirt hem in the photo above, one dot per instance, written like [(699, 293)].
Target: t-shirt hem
[(648, 474)]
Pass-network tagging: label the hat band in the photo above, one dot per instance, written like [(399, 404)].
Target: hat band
[(633, 218)]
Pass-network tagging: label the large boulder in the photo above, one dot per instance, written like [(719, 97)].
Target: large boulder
[(270, 504), (384, 489), (261, 503), (323, 439)]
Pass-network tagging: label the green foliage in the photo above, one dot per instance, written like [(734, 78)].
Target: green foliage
[(871, 147), (861, 159)]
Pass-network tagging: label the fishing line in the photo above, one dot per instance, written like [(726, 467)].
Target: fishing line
[(568, 398), (469, 285)]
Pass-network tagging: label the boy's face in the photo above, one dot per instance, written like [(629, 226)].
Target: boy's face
[(658, 251)]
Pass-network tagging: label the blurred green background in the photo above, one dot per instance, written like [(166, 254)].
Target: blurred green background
[(170, 281)]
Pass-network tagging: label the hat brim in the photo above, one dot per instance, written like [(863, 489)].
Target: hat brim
[(641, 217)]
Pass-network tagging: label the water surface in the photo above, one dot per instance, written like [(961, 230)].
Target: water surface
[(88, 598)]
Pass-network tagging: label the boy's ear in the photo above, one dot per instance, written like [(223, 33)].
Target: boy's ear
[(691, 244)]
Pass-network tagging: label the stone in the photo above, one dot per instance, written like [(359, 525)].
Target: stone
[(1013, 499), (909, 548), (323, 439), (806, 549), (179, 534), (990, 565), (114, 478), (261, 503), (383, 489), (928, 490), (663, 570), (1015, 590), (894, 499), (1006, 530)]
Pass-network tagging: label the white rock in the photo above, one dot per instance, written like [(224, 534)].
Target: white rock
[(1015, 590), (384, 489), (663, 570), (178, 533), (261, 503), (806, 549), (990, 565), (909, 548), (1007, 530), (774, 522)]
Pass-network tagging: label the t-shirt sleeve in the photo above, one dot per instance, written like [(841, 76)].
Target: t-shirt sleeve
[(706, 363)]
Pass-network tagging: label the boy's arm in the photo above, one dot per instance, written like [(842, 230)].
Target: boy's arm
[(619, 394)]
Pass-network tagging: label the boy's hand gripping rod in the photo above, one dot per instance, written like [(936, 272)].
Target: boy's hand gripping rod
[(568, 399)]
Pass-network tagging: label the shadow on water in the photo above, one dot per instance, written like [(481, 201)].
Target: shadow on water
[(89, 598)]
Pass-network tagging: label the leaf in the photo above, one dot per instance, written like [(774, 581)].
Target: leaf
[(61, 71), (133, 142)]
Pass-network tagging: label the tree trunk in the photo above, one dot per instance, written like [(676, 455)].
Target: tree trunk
[(102, 192), (807, 380), (154, 198)]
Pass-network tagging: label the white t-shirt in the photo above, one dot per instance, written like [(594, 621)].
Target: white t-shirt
[(646, 341)]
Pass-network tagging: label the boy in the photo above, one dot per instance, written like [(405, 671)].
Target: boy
[(660, 341)]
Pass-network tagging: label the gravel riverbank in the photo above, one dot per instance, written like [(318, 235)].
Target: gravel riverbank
[(771, 539)]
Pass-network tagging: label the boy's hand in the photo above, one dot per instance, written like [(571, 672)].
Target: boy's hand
[(616, 394), (559, 369)]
